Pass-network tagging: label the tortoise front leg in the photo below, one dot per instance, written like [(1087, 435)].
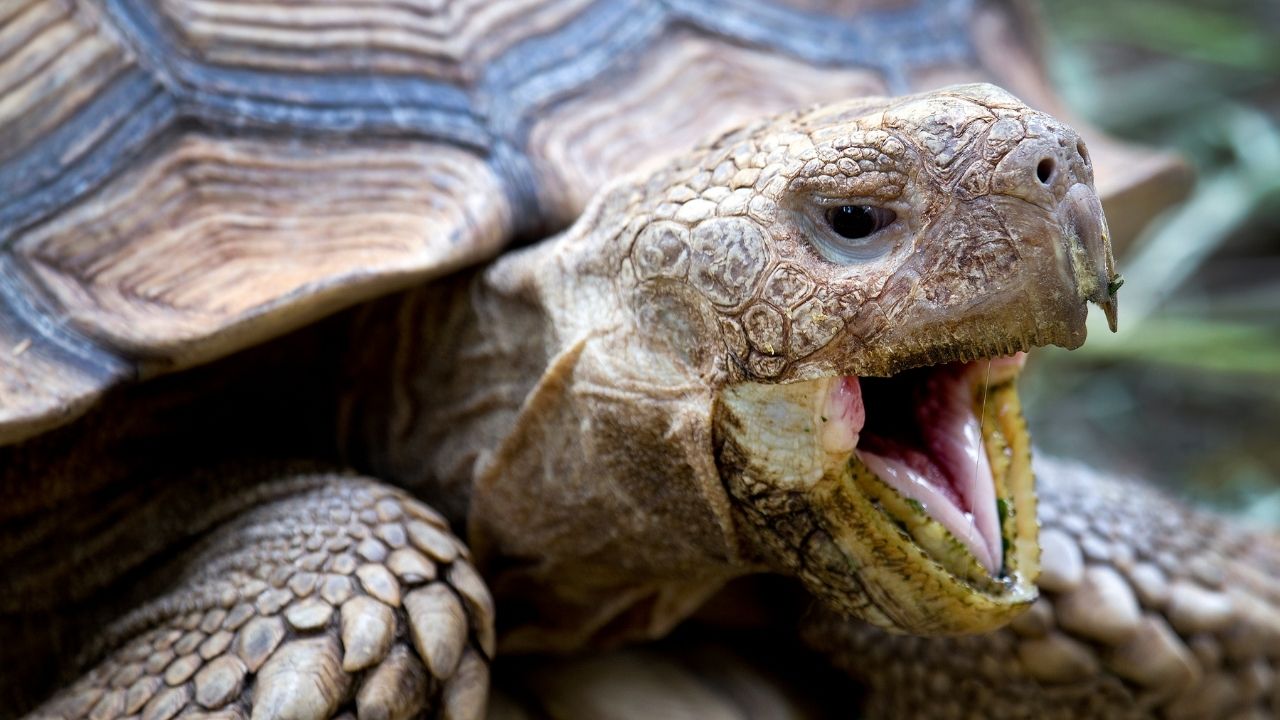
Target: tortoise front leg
[(345, 596)]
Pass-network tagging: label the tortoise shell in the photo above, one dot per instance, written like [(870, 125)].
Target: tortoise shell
[(180, 179)]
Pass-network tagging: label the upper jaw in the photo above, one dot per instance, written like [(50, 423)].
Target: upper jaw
[(1092, 263), (964, 292)]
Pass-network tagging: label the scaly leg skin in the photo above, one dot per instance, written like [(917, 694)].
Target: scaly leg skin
[(345, 597), (1148, 610)]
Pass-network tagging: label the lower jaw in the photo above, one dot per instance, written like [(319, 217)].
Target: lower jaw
[(864, 548), (1003, 440), (921, 579)]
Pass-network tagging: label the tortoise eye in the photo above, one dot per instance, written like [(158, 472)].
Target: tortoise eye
[(855, 222)]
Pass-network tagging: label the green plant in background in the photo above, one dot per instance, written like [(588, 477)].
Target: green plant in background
[(1188, 392)]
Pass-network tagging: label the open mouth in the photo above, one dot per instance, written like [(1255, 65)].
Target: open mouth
[(920, 481), (927, 454)]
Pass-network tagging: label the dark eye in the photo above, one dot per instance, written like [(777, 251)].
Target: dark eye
[(858, 221)]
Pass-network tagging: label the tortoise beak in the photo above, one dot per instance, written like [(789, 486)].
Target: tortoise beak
[(1090, 255)]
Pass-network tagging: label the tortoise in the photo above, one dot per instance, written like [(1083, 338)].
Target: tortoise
[(216, 176)]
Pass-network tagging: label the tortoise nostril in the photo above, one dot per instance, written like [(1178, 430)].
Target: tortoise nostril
[(1044, 171)]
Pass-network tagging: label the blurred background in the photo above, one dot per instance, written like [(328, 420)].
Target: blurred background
[(1187, 394)]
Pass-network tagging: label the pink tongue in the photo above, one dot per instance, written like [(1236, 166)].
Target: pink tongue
[(950, 476)]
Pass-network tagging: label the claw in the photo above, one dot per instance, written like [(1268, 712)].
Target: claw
[(303, 680), (368, 627), (396, 690), (465, 692), (479, 604), (439, 626)]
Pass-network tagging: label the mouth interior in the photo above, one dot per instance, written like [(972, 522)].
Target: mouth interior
[(920, 433)]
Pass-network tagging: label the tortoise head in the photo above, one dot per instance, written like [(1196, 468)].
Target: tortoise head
[(796, 349), (859, 283)]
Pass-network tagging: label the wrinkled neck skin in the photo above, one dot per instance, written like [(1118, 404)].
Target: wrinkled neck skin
[(601, 506)]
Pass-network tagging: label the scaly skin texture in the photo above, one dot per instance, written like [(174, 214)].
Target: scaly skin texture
[(334, 594), (1149, 609)]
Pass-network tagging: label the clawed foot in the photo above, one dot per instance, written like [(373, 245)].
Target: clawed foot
[(344, 598)]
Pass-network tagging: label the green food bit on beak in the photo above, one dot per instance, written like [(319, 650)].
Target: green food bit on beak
[(1114, 286)]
